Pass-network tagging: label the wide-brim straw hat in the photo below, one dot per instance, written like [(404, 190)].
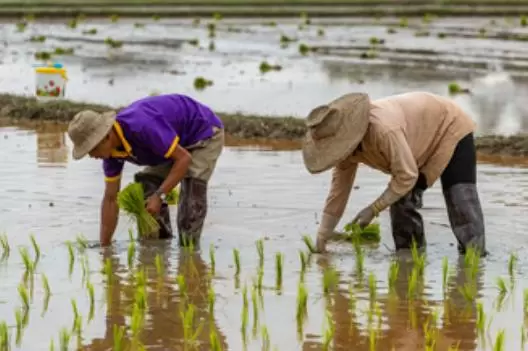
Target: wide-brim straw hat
[(87, 129), (334, 131)]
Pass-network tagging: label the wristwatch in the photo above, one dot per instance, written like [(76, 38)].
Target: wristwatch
[(160, 194)]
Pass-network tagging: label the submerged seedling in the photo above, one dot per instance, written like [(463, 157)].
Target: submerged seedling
[(481, 318), (302, 306), (159, 266), (329, 331), (372, 288), (309, 244), (260, 251), (394, 269), (131, 252), (278, 270), (360, 258), (212, 259), (330, 279)]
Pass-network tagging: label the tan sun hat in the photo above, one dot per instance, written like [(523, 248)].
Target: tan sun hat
[(334, 131), (87, 129)]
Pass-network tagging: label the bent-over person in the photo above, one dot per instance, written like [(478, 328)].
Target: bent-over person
[(416, 138), (177, 138)]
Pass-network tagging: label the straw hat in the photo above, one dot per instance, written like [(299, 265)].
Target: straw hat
[(87, 129), (334, 131)]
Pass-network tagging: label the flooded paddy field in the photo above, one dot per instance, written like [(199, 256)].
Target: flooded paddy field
[(279, 66), (65, 289)]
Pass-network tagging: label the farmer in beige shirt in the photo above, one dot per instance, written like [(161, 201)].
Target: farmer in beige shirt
[(415, 137)]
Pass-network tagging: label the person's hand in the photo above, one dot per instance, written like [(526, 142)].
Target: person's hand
[(364, 217), (322, 239), (154, 205)]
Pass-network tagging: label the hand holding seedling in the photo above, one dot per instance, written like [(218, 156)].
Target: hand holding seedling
[(154, 205), (364, 217)]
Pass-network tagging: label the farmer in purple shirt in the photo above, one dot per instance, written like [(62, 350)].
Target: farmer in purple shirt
[(177, 138)]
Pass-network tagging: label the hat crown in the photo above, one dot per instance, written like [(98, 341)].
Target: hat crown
[(324, 122), (83, 125)]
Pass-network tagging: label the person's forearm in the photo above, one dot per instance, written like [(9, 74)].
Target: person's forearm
[(109, 216), (176, 174)]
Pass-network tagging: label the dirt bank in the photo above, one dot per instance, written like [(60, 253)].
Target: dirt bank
[(237, 126), (59, 9)]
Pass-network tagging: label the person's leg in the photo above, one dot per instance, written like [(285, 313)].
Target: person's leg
[(461, 196), (151, 178), (406, 221), (192, 205)]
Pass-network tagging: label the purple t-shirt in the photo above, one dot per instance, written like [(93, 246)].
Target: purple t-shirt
[(152, 127)]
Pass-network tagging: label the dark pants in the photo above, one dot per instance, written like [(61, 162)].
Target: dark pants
[(461, 198)]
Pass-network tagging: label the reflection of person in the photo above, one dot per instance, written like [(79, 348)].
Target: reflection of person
[(164, 329), (176, 137), (415, 137)]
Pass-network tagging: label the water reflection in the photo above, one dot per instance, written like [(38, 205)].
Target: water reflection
[(403, 323), (162, 327)]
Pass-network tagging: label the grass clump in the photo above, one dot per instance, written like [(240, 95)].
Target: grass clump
[(267, 67), (201, 83), (131, 200)]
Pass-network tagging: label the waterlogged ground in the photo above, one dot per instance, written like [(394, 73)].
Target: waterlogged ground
[(488, 56), (255, 194)]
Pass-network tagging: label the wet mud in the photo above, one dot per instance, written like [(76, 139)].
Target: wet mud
[(150, 289)]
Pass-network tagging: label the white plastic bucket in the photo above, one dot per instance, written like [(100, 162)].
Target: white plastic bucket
[(50, 83)]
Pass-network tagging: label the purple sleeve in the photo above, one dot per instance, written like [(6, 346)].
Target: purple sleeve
[(112, 168), (160, 137)]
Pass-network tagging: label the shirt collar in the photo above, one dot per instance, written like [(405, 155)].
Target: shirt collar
[(126, 145)]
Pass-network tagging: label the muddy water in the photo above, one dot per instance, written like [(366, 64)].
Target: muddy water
[(255, 194), (158, 58)]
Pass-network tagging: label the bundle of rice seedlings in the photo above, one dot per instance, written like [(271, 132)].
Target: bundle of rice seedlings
[(368, 235), (131, 199), (173, 196)]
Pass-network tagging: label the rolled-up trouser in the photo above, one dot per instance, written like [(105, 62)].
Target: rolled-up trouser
[(192, 203), (461, 198)]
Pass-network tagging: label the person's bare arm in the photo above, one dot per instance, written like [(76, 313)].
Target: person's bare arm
[(109, 212), (182, 160)]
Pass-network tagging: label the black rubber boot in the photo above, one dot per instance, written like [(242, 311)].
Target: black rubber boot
[(192, 209), (406, 222), (466, 217)]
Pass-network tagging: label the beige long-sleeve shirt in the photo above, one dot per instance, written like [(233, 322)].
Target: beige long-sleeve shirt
[(408, 134)]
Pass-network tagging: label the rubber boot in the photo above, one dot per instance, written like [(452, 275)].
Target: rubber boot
[(466, 217), (406, 222), (192, 209), (150, 183)]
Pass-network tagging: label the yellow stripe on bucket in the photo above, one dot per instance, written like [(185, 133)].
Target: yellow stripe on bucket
[(52, 70)]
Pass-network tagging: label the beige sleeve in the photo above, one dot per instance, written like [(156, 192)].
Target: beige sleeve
[(336, 201), (403, 169)]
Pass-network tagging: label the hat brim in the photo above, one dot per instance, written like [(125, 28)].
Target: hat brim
[(81, 150), (323, 154)]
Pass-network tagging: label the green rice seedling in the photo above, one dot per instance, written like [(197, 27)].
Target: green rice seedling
[(236, 258), (499, 341), (260, 278), (413, 283), (190, 331), (75, 311), (329, 331), (260, 251), (523, 336), (82, 243), (212, 259), (244, 315), (309, 244), (159, 265), (64, 339), (304, 261), (512, 263), (418, 258), (47, 293), (119, 332), (136, 323), (24, 296), (6, 249), (330, 280), (107, 269), (131, 200), (360, 260), (468, 292), (19, 317), (302, 308), (394, 269), (454, 347), (26, 260), (266, 344), (369, 234), (372, 288), (71, 256), (502, 286), (445, 272), (215, 342), (4, 337), (211, 300), (255, 306), (373, 335), (131, 252), (278, 271), (182, 286), (36, 248), (91, 297), (481, 318), (351, 299)]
